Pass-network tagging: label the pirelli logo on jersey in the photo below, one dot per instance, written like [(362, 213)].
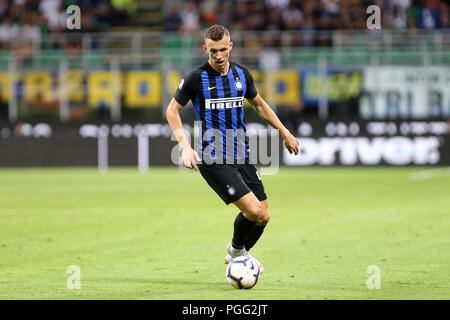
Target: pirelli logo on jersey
[(224, 103)]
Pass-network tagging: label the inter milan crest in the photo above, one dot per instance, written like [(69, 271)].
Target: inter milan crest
[(231, 190), (238, 85)]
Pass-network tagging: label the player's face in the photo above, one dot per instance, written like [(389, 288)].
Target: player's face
[(218, 52)]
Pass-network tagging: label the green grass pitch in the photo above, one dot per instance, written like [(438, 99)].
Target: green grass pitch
[(163, 234)]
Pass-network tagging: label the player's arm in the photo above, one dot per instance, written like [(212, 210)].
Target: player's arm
[(188, 155), (269, 116)]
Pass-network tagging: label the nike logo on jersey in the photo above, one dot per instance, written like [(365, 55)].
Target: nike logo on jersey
[(210, 88)]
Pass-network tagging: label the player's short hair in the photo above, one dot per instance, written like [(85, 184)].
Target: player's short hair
[(216, 32)]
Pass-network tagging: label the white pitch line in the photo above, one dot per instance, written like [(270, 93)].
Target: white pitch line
[(429, 174)]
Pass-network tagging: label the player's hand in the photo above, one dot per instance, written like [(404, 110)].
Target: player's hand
[(189, 157), (290, 142)]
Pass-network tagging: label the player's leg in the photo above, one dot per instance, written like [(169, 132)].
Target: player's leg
[(250, 215), (253, 180), (228, 183), (258, 228), (249, 224), (248, 227)]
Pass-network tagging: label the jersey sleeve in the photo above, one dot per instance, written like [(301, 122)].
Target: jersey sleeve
[(186, 89), (251, 91)]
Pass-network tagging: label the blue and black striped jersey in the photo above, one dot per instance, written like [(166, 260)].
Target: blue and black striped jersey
[(219, 105)]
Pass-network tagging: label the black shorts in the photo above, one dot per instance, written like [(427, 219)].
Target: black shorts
[(233, 181)]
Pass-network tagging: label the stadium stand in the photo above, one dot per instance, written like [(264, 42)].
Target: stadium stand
[(162, 34)]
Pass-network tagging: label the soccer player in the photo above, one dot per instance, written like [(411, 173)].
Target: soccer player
[(217, 89)]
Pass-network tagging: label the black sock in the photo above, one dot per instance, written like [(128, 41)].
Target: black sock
[(254, 236), (242, 230)]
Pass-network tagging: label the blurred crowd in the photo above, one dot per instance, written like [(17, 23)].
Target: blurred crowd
[(24, 22), (194, 15)]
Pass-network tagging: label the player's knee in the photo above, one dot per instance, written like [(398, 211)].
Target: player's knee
[(264, 219), (254, 212)]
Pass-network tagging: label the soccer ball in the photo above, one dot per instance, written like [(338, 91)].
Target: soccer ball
[(242, 273)]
